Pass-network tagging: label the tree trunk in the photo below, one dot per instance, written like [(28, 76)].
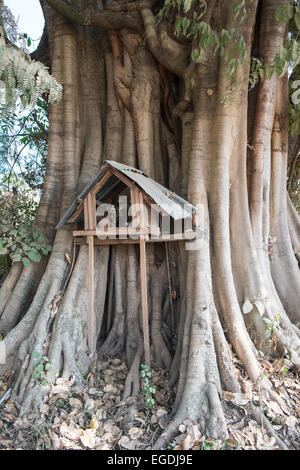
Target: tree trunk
[(132, 94)]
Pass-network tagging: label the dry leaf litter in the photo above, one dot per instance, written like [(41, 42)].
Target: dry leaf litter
[(97, 417)]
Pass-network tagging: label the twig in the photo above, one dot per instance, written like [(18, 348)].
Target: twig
[(5, 396)]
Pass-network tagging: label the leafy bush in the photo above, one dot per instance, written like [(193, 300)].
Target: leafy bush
[(18, 241), (148, 389)]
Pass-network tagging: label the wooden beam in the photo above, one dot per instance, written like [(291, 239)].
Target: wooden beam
[(140, 198), (109, 241), (134, 202), (100, 183), (85, 214), (122, 177), (106, 241), (91, 203), (91, 314), (114, 232), (76, 214), (143, 272)]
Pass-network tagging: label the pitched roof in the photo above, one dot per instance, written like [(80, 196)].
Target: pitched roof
[(171, 203)]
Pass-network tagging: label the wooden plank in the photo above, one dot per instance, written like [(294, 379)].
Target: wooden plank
[(173, 237), (143, 272), (115, 241), (86, 215), (111, 231), (142, 209), (122, 177), (134, 202), (91, 201), (109, 241), (101, 183), (76, 214), (91, 314)]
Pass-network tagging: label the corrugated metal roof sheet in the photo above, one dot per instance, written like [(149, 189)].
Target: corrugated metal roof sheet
[(171, 203)]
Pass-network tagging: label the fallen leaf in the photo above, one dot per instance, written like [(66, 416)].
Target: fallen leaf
[(238, 398), (103, 446), (89, 404), (126, 443), (44, 408), (75, 402), (161, 412), (247, 307), (94, 424), (291, 421), (135, 433), (70, 432), (88, 438), (188, 442)]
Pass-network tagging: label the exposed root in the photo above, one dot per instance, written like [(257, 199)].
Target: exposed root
[(8, 285), (206, 410), (263, 421), (132, 382), (162, 354), (114, 342)]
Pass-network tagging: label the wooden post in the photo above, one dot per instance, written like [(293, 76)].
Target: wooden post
[(91, 203), (144, 299), (86, 214), (143, 271), (91, 315), (90, 207)]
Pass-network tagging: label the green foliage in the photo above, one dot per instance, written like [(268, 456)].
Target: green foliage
[(42, 365), (25, 79), (148, 389), (18, 242), (284, 12), (240, 10), (23, 146), (22, 78), (271, 326), (189, 25), (207, 445)]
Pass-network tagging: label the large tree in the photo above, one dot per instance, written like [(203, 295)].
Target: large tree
[(168, 87)]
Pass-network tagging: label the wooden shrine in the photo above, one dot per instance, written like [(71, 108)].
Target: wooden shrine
[(149, 202)]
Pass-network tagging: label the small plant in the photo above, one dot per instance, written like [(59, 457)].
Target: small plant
[(271, 326), (207, 445), (148, 389), (231, 446), (19, 242), (42, 365)]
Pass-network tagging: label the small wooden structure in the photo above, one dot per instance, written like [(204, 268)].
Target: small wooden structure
[(147, 198)]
